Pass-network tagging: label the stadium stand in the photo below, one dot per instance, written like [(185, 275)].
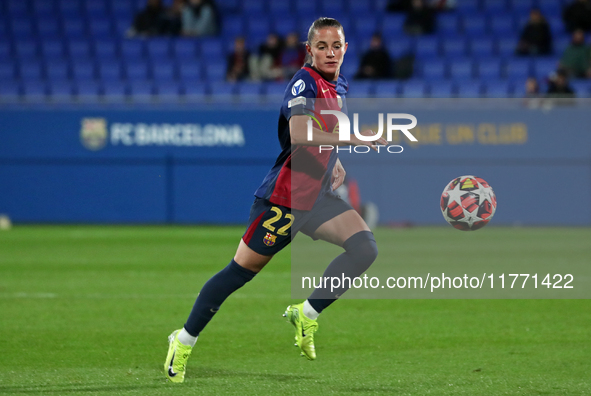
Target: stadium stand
[(59, 50)]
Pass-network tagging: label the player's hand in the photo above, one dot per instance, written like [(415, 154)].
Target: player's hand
[(380, 142), (338, 175)]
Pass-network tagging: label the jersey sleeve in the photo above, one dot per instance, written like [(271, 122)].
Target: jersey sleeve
[(300, 95)]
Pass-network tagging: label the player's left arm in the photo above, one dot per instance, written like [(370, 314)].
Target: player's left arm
[(338, 175)]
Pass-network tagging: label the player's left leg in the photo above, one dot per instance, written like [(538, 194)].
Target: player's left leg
[(348, 230)]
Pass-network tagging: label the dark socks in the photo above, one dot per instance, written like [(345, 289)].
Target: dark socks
[(214, 293), (360, 252)]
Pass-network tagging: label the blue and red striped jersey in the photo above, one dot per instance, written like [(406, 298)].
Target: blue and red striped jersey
[(302, 174)]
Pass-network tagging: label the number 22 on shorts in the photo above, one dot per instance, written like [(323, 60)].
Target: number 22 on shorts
[(268, 224)]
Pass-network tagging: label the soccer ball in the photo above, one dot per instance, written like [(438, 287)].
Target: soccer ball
[(468, 203)]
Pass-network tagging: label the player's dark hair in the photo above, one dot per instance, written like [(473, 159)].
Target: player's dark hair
[(321, 23)]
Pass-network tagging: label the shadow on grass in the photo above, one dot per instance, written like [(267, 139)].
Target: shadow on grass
[(213, 373)]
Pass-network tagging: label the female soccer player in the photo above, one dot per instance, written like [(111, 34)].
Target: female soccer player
[(296, 195)]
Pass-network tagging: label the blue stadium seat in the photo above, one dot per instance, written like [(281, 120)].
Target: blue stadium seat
[(365, 25), (141, 91), (249, 91), (461, 69), (52, 49), (167, 91), (434, 71), (56, 69), (285, 25), (385, 89), (506, 46), (427, 47), (73, 27), (582, 88), (521, 7), (518, 68), (122, 9), (43, 8), (185, 50), (363, 89), (190, 71), (61, 90), (470, 89), (215, 71), (105, 49), (495, 6), (475, 25), (164, 70), (349, 67), (550, 7), (442, 89), (88, 91), (392, 26), (413, 89), (22, 28), (70, 6), (305, 8), (400, 47), (5, 50), (228, 6), (275, 90), (280, 9), (109, 70), (332, 7), (503, 24), (544, 66), (9, 91), (454, 47), (449, 23), (482, 47), (195, 91), (560, 44), (96, 7), (99, 27), (26, 49), (212, 49), (232, 26), (256, 26), (158, 48), (556, 24), (359, 7), (132, 49), (7, 71), (468, 7), (79, 49), (254, 7), (498, 89), (222, 91), (121, 25), (48, 28), (83, 70), (34, 90), (30, 71), (136, 70), (114, 91), (489, 68)]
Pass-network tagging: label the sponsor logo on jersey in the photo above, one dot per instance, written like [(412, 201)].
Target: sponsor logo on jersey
[(93, 134), (269, 239), (298, 87)]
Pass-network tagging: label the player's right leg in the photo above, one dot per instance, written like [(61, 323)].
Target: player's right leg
[(262, 239)]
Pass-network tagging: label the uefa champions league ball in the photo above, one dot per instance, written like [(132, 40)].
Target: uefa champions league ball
[(468, 203)]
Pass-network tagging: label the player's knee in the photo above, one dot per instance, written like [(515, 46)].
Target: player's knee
[(362, 248)]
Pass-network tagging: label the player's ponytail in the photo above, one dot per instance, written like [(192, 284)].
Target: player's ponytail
[(320, 23)]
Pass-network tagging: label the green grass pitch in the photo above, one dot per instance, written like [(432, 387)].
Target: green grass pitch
[(87, 311)]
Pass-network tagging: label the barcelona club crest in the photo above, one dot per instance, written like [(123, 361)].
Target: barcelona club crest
[(93, 134), (269, 239)]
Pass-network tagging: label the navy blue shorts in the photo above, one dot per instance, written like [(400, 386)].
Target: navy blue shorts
[(272, 227)]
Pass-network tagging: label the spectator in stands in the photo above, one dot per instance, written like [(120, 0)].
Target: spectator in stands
[(399, 6), (576, 60), (536, 38), (238, 68), (577, 15), (171, 19), (149, 21), (532, 88), (420, 19), (559, 86), (267, 65), (200, 18), (293, 55), (376, 62)]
